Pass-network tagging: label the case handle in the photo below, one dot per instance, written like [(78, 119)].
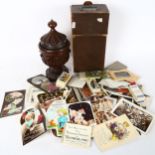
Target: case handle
[(87, 3), (88, 6)]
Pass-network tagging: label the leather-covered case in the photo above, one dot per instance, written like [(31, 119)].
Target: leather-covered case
[(89, 32)]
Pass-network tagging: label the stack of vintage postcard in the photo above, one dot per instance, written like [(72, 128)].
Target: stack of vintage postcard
[(109, 106)]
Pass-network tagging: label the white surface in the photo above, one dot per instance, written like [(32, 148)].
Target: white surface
[(22, 22)]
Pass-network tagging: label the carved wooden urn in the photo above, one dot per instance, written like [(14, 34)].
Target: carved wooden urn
[(54, 48)]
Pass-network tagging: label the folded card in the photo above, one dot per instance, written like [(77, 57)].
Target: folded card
[(77, 135), (114, 133)]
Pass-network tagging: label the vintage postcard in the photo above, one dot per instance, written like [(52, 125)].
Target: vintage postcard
[(137, 93), (103, 91), (116, 66), (139, 117), (118, 97), (115, 132), (102, 107), (146, 102), (58, 94), (86, 92), (78, 94), (13, 103), (92, 75), (42, 82), (76, 82), (45, 100), (113, 83), (32, 124), (30, 97), (57, 116), (77, 135), (45, 103), (123, 75), (61, 93), (121, 92), (63, 79), (81, 113), (71, 97), (94, 86)]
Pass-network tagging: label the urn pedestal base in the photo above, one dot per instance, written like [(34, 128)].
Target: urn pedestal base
[(52, 73)]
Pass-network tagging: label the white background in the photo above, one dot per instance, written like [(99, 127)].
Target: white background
[(131, 40)]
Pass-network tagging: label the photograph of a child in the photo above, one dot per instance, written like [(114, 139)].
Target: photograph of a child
[(13, 103), (138, 117), (102, 107), (81, 113), (32, 124), (57, 116)]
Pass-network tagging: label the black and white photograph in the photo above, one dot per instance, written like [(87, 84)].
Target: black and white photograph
[(102, 107), (139, 117)]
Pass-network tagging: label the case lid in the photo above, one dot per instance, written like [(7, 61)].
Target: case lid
[(53, 40), (89, 7)]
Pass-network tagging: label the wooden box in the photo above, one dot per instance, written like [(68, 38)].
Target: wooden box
[(89, 32)]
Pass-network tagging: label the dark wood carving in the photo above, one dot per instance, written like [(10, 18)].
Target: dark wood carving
[(54, 48)]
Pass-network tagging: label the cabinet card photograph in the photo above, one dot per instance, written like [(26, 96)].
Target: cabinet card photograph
[(102, 107), (139, 117)]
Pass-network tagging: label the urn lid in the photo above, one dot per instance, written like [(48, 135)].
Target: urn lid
[(53, 40)]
